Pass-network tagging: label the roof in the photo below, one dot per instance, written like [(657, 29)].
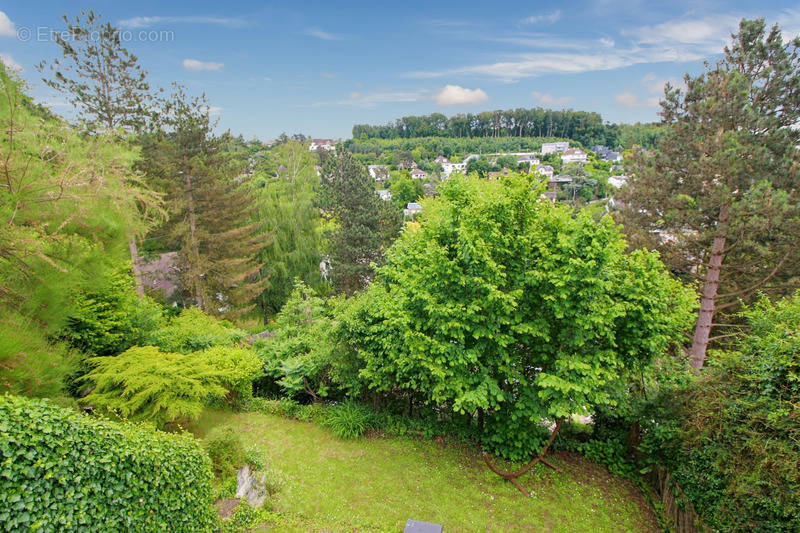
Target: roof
[(573, 151), (546, 168), (418, 171), (413, 205)]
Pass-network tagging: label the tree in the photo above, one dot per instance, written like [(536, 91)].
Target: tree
[(347, 196), (511, 310), (105, 84), (289, 216), (211, 212), (101, 78), (719, 197), (405, 189)]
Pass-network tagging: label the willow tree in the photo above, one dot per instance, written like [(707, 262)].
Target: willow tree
[(286, 209), (719, 197), (509, 309)]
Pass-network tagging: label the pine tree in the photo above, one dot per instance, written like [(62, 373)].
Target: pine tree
[(289, 216), (719, 198), (347, 196), (210, 212)]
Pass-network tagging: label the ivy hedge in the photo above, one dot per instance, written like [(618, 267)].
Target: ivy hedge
[(63, 471)]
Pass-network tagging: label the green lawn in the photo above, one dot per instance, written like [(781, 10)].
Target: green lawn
[(376, 484)]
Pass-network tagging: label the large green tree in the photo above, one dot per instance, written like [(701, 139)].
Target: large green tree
[(719, 197), (68, 202), (509, 308), (289, 216), (210, 212), (347, 196)]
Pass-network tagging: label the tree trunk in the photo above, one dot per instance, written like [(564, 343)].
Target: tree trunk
[(708, 301), (137, 273), (198, 296)]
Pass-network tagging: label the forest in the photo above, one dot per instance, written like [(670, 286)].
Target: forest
[(203, 333)]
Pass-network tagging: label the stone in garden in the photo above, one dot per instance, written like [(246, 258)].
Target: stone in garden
[(251, 485)]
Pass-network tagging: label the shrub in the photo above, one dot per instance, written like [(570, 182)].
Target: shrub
[(348, 420), (63, 471), (194, 330), (145, 384), (226, 450)]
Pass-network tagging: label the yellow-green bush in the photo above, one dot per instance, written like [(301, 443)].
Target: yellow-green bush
[(63, 471)]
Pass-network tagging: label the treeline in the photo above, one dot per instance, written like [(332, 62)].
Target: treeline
[(587, 128)]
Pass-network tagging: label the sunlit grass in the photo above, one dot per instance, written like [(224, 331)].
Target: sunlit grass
[(372, 484)]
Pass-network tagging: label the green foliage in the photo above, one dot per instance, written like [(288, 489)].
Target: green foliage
[(347, 196), (285, 201), (405, 189), (144, 383), (297, 356), (194, 330), (348, 420), (507, 304), (734, 444), (63, 471), (30, 364), (110, 317), (226, 450)]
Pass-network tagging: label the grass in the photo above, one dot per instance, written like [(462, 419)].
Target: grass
[(377, 483)]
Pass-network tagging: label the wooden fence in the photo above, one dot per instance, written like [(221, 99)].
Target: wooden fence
[(676, 507)]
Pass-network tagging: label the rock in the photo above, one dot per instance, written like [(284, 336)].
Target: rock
[(252, 486)]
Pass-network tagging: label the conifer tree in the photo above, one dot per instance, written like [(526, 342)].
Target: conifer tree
[(719, 197), (211, 212), (347, 196)]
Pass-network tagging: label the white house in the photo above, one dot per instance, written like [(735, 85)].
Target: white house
[(322, 144), (418, 174), (545, 170), (618, 181), (384, 194), (574, 155), (378, 172), (442, 160), (552, 148), (449, 168), (412, 208)]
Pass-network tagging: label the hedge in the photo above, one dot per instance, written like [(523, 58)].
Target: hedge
[(64, 471)]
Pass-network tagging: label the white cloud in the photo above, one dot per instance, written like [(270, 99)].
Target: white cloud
[(370, 100), (10, 63), (607, 42), (710, 33), (6, 26), (550, 100), (456, 95), (545, 18), (324, 35), (629, 99), (655, 85), (195, 64), (146, 22)]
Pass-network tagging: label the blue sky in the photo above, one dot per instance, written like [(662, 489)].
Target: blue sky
[(320, 67)]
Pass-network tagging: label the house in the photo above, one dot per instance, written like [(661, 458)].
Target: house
[(549, 195), (574, 155), (599, 149), (556, 182), (618, 181), (545, 170), (449, 168), (616, 157), (418, 174), (531, 160), (498, 175), (442, 160), (412, 208), (322, 144), (616, 169), (384, 194), (553, 148), (378, 172)]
